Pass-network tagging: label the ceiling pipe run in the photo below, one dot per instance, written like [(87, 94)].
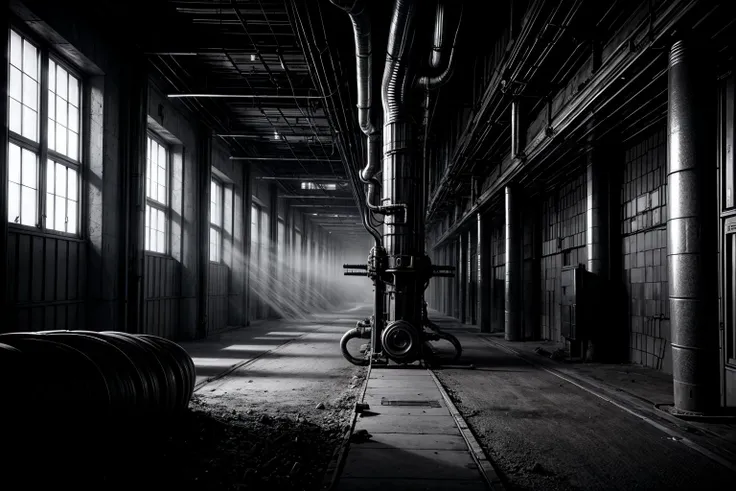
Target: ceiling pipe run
[(246, 96), (285, 159)]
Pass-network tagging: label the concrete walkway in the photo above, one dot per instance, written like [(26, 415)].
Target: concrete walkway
[(416, 442)]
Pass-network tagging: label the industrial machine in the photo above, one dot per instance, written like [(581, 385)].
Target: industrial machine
[(395, 174)]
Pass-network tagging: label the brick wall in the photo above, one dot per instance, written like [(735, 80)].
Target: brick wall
[(563, 244), (644, 231)]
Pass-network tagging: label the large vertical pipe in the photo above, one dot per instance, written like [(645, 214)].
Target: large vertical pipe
[(484, 273), (135, 128), (596, 242), (596, 225), (462, 270), (691, 231), (513, 285), (518, 133)]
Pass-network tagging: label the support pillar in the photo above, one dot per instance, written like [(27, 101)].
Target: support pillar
[(203, 259), (10, 322), (135, 160), (484, 273), (513, 286), (691, 229), (462, 270)]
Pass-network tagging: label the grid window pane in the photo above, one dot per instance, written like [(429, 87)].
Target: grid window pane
[(64, 102), (62, 197), (155, 229), (215, 244), (23, 91), (215, 203), (22, 186), (157, 172)]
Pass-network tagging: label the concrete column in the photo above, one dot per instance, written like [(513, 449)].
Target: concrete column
[(691, 229), (513, 286), (484, 273), (203, 242)]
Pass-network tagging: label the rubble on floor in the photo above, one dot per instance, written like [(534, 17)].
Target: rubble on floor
[(210, 447)]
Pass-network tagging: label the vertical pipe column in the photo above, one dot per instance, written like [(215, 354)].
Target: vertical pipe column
[(484, 273), (462, 270), (596, 213), (137, 105), (513, 286), (518, 141), (205, 176), (691, 231)]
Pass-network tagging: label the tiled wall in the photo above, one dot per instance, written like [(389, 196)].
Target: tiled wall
[(563, 244), (643, 226)]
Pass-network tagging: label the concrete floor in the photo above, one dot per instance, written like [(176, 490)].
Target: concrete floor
[(280, 366), (415, 443), (543, 432), (540, 431)]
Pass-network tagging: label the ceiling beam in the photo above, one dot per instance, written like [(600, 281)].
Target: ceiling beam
[(303, 196), (244, 96), (302, 178), (285, 159)]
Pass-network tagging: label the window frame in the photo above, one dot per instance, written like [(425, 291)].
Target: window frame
[(157, 205), (41, 149), (220, 229)]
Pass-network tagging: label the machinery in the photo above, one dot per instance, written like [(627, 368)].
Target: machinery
[(395, 174)]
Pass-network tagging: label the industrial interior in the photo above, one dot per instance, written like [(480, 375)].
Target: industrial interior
[(353, 245)]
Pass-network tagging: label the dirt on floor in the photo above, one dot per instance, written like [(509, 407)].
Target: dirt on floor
[(210, 447)]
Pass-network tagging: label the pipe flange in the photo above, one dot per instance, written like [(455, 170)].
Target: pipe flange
[(400, 340)]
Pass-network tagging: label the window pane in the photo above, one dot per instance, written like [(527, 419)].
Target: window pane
[(13, 202), (72, 185), (50, 176), (16, 49), (30, 92), (161, 242), (60, 110), (73, 91), (61, 79), (60, 214), (30, 59), (50, 211), (16, 90), (60, 139), (14, 167), (154, 243), (52, 76), (74, 119), (73, 150), (52, 108), (60, 181), (71, 214), (29, 124), (162, 158), (15, 116), (161, 194), (161, 176), (29, 164), (27, 206)]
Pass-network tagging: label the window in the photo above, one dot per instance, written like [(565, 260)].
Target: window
[(216, 216), (330, 186), (44, 140), (157, 196)]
